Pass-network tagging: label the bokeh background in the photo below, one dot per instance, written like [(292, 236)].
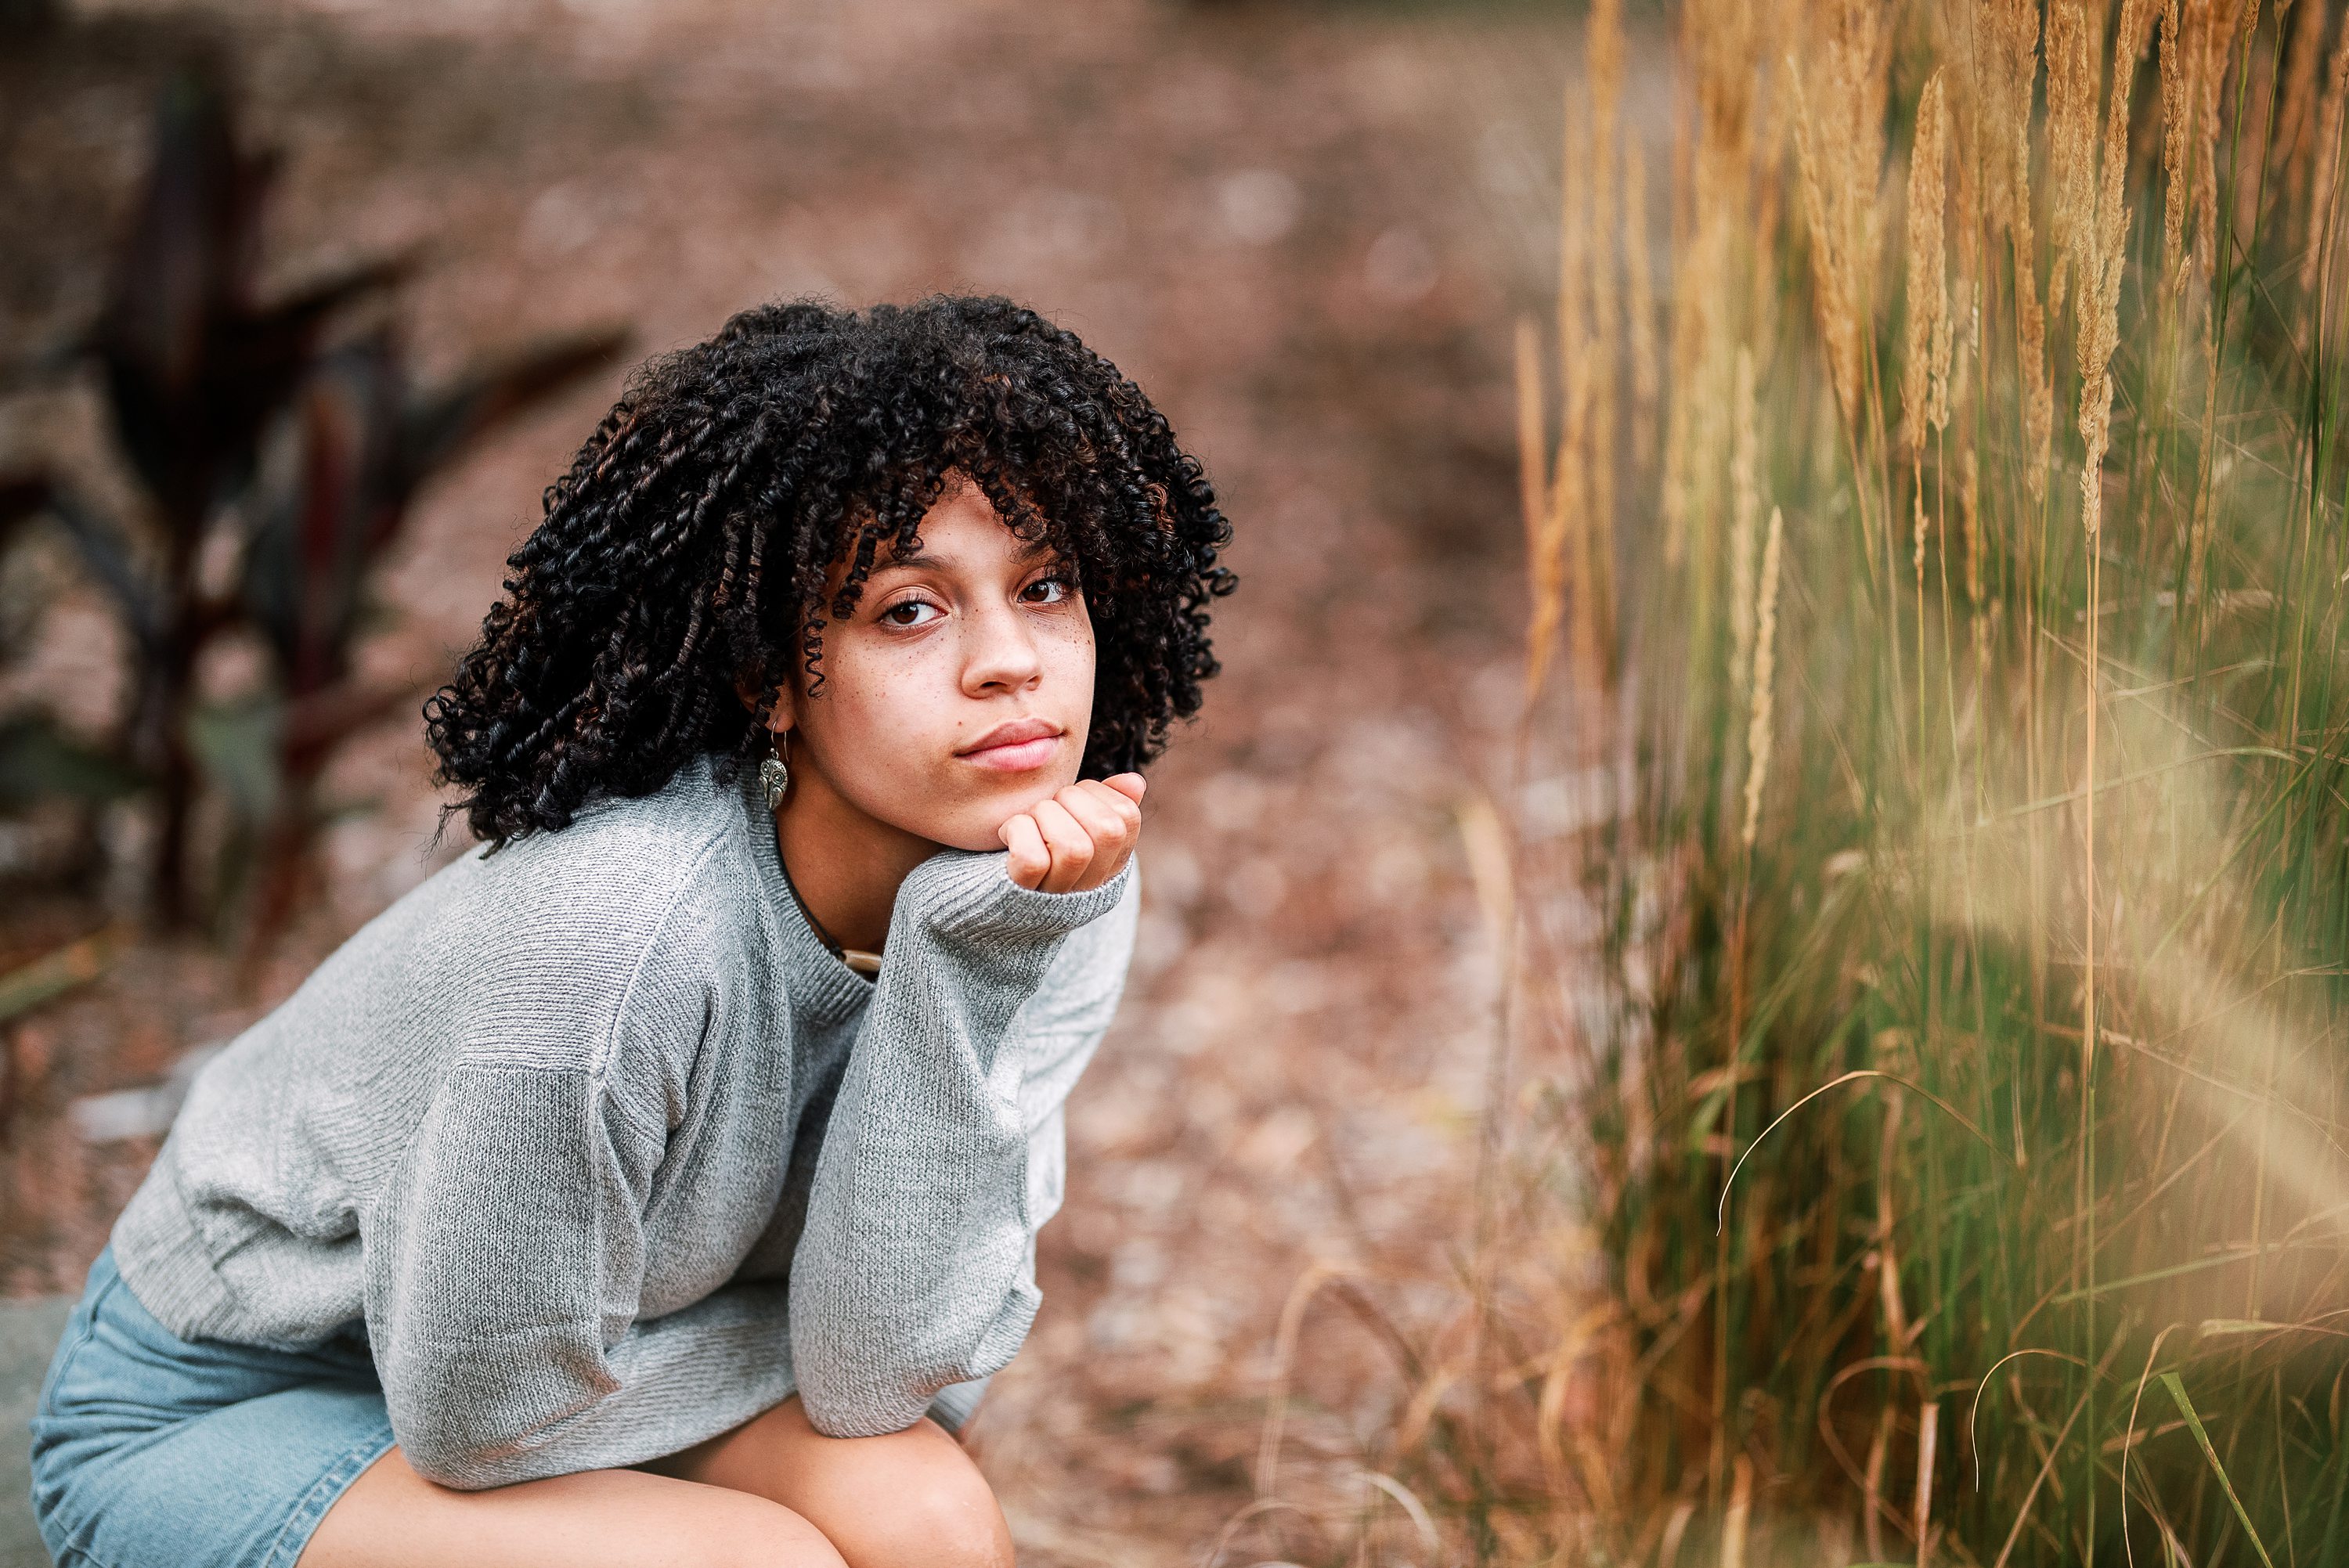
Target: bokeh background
[(1305, 228)]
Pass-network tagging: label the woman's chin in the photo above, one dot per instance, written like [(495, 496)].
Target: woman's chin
[(983, 841), (979, 825)]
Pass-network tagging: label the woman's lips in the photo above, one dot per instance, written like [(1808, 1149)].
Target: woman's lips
[(1016, 745), (1015, 756)]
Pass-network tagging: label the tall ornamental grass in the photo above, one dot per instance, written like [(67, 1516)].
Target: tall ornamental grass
[(1928, 867)]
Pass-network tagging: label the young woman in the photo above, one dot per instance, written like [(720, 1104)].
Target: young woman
[(659, 1181)]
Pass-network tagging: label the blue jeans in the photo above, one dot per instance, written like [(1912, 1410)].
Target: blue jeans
[(155, 1452)]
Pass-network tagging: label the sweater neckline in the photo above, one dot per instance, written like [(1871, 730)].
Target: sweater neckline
[(864, 964), (835, 989)]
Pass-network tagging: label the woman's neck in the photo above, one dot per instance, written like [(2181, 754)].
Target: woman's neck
[(845, 864)]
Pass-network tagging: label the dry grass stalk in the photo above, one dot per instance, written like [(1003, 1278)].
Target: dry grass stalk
[(2240, 18), (1970, 518), (1827, 280), (1762, 302), (1928, 1425), (2006, 123), (1575, 241), (1603, 69), (1888, 1227), (1966, 295), (1316, 1274), (1555, 1427), (2195, 39), (1594, 536), (2218, 43), (1741, 1511), (1543, 519), (1757, 722), (2073, 47), (2324, 197), (1746, 517), (1580, 528), (1839, 148), (1925, 369), (2180, 75), (1723, 38), (1678, 500), (1873, 1508), (2295, 149), (1694, 429), (2206, 208), (2099, 239), (1639, 306), (1584, 371), (1533, 462), (1835, 262)]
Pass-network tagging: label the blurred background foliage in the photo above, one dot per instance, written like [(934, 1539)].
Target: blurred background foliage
[(276, 441)]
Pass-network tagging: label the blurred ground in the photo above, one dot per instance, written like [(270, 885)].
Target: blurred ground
[(1305, 231)]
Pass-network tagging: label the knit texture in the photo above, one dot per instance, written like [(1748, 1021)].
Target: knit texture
[(606, 1152)]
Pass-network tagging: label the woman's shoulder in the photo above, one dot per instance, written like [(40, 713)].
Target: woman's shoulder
[(627, 853), (632, 884)]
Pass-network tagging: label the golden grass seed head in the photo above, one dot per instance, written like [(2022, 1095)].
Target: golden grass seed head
[(1925, 368)]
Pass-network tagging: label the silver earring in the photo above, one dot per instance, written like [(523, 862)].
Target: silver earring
[(774, 773)]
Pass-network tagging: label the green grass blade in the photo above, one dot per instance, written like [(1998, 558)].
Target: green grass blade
[(2194, 1423)]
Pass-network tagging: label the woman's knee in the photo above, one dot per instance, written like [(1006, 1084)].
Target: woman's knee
[(939, 1513), (393, 1518), (907, 1500), (757, 1533)]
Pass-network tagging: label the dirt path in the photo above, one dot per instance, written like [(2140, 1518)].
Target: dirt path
[(1305, 230)]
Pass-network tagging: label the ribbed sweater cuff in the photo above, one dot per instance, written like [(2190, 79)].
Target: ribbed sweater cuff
[(969, 894)]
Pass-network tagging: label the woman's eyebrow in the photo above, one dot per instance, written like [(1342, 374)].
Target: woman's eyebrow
[(925, 561)]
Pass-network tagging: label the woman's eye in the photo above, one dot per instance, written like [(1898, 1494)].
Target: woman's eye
[(909, 613), (1045, 590)]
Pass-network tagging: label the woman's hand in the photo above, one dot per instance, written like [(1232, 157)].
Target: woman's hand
[(1080, 838)]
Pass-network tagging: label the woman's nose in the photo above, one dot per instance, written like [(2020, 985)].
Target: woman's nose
[(999, 651)]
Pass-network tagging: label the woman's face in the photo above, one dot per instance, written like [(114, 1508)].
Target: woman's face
[(959, 691)]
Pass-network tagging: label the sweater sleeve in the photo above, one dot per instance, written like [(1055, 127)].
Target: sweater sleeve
[(916, 1267), (505, 1260)]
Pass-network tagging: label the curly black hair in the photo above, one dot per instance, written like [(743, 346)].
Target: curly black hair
[(689, 545)]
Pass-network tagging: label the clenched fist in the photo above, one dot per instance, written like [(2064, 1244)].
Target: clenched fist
[(1080, 838)]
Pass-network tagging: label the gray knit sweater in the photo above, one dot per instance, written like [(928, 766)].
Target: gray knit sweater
[(605, 1151)]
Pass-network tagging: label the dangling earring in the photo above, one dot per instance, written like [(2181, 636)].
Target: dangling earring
[(774, 773)]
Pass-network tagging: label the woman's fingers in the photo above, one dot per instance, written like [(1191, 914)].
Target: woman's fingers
[(1111, 819), (1030, 860), (1079, 839), (1108, 817), (1072, 847), (1124, 810)]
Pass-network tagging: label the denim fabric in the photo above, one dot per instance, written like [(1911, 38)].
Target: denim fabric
[(153, 1451)]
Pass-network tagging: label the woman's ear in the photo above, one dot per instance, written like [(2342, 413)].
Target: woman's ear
[(780, 716)]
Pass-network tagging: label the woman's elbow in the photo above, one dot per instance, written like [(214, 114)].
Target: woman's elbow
[(446, 1461), (466, 1445), (861, 1406)]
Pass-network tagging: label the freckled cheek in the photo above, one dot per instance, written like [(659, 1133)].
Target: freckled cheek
[(1069, 676), (900, 711)]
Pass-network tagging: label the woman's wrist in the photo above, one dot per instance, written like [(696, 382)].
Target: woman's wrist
[(965, 895)]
